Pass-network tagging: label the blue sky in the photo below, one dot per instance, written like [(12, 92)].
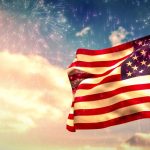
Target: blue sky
[(58, 21)]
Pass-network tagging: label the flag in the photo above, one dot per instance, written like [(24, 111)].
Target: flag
[(110, 86)]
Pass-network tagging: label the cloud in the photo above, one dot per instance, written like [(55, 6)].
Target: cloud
[(31, 88), (116, 37), (88, 147), (139, 141), (83, 32)]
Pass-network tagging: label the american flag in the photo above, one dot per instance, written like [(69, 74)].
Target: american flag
[(110, 86)]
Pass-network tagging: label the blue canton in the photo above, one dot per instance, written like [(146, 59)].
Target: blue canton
[(138, 63)]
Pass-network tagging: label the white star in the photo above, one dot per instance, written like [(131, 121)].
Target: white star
[(143, 52), (135, 57), (129, 63), (140, 43), (135, 67), (143, 62), (129, 74)]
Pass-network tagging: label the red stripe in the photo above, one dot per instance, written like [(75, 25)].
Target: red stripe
[(72, 105), (70, 128), (110, 108), (97, 63), (111, 78), (71, 116), (108, 94), (105, 51), (111, 49), (112, 122)]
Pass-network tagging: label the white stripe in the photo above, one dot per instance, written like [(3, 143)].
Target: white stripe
[(104, 57), (99, 79), (71, 110), (112, 115), (70, 122), (110, 101), (113, 85)]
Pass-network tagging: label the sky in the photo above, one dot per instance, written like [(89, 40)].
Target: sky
[(38, 40)]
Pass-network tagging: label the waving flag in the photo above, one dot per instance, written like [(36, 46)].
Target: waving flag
[(110, 86)]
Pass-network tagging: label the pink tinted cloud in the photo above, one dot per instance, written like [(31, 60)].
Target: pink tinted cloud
[(31, 90)]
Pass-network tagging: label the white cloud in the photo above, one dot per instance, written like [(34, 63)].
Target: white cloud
[(83, 32), (88, 147), (139, 141), (118, 36), (31, 89)]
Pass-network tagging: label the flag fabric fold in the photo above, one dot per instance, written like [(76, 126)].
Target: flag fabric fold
[(110, 86)]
